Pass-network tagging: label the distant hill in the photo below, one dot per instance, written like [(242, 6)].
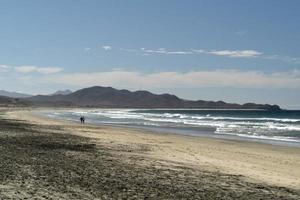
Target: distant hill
[(7, 101), (63, 92), (13, 94), (108, 97)]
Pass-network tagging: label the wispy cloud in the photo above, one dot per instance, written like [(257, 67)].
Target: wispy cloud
[(227, 53), (87, 49), (230, 53), (164, 51), (180, 52), (159, 50), (191, 79), (4, 68), (236, 53), (30, 69), (248, 53), (42, 70), (106, 47)]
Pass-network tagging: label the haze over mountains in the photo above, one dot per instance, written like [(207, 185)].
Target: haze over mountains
[(13, 94), (23, 95), (108, 97), (63, 92)]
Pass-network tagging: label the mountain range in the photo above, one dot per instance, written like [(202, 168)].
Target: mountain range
[(8, 101), (63, 92), (108, 97), (13, 94), (22, 95)]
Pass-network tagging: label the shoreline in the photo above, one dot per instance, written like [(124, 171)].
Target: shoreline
[(257, 162), (205, 132), (208, 131)]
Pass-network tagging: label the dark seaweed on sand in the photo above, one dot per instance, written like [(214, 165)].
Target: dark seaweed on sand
[(43, 162)]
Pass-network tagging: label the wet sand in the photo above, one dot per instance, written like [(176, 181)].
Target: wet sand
[(47, 158)]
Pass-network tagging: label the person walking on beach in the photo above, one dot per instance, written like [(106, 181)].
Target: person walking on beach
[(82, 119)]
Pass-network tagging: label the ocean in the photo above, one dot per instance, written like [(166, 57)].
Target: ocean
[(280, 127)]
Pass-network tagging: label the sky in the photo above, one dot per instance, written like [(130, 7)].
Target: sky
[(235, 50)]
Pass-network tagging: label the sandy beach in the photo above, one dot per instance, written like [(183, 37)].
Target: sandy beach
[(90, 162)]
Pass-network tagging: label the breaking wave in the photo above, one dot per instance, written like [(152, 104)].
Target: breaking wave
[(265, 125)]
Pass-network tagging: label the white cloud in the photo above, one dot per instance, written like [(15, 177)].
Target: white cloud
[(87, 49), (236, 54), (164, 51), (42, 70), (198, 51), (30, 69), (191, 79), (4, 68), (228, 53), (106, 47), (160, 50), (180, 52)]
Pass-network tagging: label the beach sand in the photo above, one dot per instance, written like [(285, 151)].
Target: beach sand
[(89, 161)]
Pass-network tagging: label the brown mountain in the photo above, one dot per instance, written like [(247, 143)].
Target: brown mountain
[(107, 97)]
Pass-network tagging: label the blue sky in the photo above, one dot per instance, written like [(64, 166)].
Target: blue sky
[(237, 51)]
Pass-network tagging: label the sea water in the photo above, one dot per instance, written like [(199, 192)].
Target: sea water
[(282, 126)]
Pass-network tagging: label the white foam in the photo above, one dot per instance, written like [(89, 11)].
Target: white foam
[(261, 128), (277, 138)]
